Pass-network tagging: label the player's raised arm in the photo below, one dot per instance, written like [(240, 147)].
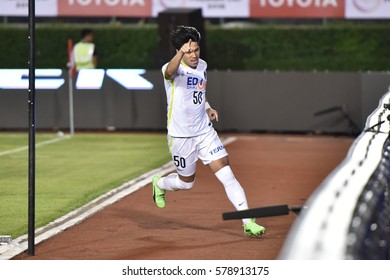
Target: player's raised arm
[(173, 65)]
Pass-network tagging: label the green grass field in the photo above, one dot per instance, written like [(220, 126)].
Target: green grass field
[(70, 172)]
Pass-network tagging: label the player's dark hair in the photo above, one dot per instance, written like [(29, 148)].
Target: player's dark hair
[(182, 34), (85, 32)]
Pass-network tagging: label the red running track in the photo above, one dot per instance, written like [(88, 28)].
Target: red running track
[(273, 169)]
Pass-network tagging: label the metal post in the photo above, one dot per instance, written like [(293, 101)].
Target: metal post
[(70, 84), (71, 113), (32, 128)]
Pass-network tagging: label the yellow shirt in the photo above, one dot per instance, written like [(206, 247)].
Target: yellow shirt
[(83, 55)]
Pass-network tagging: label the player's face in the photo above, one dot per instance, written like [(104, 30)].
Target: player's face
[(192, 58)]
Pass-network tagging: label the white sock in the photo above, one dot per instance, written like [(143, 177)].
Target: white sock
[(234, 191), (172, 182)]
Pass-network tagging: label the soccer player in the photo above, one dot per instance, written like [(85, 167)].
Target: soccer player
[(190, 131)]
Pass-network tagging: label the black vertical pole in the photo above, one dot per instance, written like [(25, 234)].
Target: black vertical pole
[(31, 134)]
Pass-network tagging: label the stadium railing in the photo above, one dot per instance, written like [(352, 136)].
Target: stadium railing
[(348, 216)]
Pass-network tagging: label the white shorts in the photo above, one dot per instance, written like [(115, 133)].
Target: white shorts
[(186, 151)]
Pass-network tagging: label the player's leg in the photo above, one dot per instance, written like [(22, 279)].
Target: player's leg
[(235, 193), (184, 157), (214, 154), (175, 182), (233, 188)]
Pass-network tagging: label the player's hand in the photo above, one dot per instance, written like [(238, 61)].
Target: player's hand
[(213, 114), (186, 48)]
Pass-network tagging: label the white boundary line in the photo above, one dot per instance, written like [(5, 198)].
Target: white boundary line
[(24, 148), (20, 244)]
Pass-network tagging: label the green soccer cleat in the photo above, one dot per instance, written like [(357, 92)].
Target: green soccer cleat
[(252, 229), (158, 194)]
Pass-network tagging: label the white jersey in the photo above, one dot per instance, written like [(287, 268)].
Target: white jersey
[(186, 97)]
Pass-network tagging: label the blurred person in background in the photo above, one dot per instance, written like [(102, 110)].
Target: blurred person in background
[(84, 52), (190, 131)]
